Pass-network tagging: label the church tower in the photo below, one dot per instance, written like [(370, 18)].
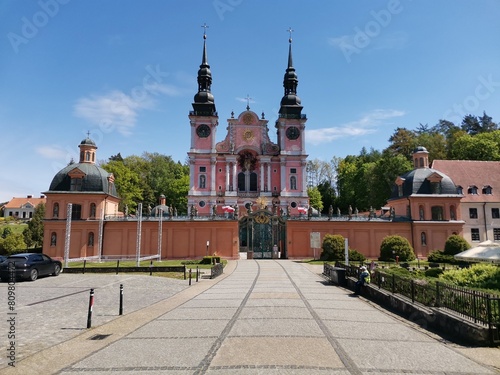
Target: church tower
[(247, 170)]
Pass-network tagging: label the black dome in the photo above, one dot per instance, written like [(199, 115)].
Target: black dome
[(420, 149), (416, 182), (87, 141), (95, 180)]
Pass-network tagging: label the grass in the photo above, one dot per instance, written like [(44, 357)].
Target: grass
[(15, 226)]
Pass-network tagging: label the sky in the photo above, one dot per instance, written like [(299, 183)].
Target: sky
[(125, 71)]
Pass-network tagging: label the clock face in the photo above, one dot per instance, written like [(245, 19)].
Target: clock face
[(203, 131), (248, 135), (292, 132)]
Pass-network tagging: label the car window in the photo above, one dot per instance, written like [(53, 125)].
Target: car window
[(17, 259), (45, 257), (37, 258)]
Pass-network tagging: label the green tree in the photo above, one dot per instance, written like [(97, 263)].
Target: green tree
[(315, 198), (476, 147), (12, 243), (455, 244), (333, 247), (483, 276), (327, 195), (403, 142), (386, 170), (396, 246), (6, 232), (33, 234)]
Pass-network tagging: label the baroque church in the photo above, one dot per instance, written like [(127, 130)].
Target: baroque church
[(247, 194), (247, 170)]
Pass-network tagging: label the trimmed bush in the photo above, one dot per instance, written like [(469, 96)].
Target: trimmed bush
[(393, 246), (356, 256), (209, 260), (333, 247), (433, 272), (439, 257), (455, 244), (482, 276)]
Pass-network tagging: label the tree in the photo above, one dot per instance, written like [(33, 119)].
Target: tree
[(455, 244), (403, 142), (396, 246), (476, 147), (333, 247), (12, 243), (6, 232), (315, 198), (327, 195), (33, 234)]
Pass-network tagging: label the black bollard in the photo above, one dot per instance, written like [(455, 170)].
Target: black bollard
[(151, 268), (190, 276), (117, 265), (184, 272), (84, 265), (91, 306), (197, 273), (120, 312)]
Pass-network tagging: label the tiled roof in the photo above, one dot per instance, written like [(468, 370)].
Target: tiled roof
[(466, 173), (19, 202)]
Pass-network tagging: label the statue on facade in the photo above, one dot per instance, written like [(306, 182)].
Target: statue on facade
[(372, 212), (214, 210), (126, 211), (309, 212), (330, 212), (356, 212), (175, 211), (235, 211), (350, 211), (338, 211), (149, 210)]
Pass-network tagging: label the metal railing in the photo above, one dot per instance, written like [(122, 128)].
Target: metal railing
[(476, 306)]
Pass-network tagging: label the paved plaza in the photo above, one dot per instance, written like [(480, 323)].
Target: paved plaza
[(260, 317)]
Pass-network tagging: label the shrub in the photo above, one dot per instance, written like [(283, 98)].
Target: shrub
[(439, 257), (333, 247), (356, 256), (209, 259), (482, 276), (395, 245), (433, 272), (455, 244)]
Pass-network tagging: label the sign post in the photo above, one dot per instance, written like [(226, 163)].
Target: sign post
[(315, 242), (346, 249)]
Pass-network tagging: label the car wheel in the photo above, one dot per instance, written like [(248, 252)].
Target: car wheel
[(57, 270), (34, 274)]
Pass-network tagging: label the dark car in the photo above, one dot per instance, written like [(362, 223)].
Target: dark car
[(2, 258), (29, 266)]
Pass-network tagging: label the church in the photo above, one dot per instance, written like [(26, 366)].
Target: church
[(246, 194)]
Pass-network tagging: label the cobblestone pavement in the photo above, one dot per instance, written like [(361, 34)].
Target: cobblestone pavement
[(260, 317)]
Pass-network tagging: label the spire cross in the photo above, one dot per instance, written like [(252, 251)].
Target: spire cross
[(88, 134), (205, 27), (248, 98), (290, 30)]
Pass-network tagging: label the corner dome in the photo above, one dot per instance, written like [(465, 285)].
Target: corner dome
[(88, 142), (417, 182), (420, 149), (95, 180)]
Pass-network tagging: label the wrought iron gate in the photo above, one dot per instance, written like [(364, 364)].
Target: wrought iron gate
[(263, 234)]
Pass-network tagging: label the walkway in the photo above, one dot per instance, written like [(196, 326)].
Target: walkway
[(272, 317)]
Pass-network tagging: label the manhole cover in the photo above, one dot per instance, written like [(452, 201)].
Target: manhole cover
[(98, 337)]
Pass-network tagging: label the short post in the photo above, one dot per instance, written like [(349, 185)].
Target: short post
[(151, 268), (190, 276), (117, 265), (208, 244), (91, 305), (120, 311), (84, 265), (184, 272), (197, 273)]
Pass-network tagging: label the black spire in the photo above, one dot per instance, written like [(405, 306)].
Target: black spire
[(204, 100), (290, 103)]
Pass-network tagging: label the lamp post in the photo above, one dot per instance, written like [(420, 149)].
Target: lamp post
[(208, 244)]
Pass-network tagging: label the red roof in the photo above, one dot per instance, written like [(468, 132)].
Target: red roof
[(469, 173), (20, 202)]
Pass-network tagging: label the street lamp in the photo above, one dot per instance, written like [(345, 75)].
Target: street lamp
[(208, 244)]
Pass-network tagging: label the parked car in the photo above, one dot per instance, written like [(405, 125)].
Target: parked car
[(29, 266), (2, 258)]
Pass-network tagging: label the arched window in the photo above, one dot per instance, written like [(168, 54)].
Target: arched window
[(53, 239), (91, 239), (487, 190), (293, 183), (423, 239), (76, 212), (202, 181), (87, 156), (472, 190), (55, 210), (421, 162), (460, 190), (92, 210), (253, 181), (437, 213)]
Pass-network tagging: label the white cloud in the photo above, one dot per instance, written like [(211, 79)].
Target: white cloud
[(341, 41), (115, 108), (51, 152), (367, 124), (245, 100)]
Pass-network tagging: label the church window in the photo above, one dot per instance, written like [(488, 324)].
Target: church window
[(293, 170), (421, 162), (436, 187), (87, 156), (55, 211), (92, 210), (437, 213), (91, 239), (203, 169), (400, 190), (76, 184), (202, 204), (241, 181), (253, 181), (53, 239), (473, 213), (293, 183), (202, 181), (76, 212), (487, 190), (472, 190), (421, 213), (495, 213), (460, 190), (293, 204)]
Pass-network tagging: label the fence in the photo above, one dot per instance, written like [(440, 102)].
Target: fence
[(477, 306)]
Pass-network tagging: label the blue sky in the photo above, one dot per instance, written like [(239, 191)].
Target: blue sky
[(125, 71)]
